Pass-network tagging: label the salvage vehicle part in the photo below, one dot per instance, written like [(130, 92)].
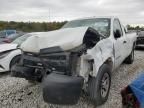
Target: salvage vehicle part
[(62, 89)]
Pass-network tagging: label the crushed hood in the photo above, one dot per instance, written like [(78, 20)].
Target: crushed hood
[(6, 47), (66, 39)]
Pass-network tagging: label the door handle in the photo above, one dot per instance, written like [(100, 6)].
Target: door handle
[(124, 42)]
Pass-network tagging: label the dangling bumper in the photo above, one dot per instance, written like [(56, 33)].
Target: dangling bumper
[(62, 89)]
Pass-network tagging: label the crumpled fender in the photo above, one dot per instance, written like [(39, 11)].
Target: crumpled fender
[(100, 53)]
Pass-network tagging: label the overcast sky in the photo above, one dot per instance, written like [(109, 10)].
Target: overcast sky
[(129, 11)]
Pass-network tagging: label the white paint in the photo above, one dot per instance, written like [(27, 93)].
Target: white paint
[(67, 38), (5, 47), (109, 48), (5, 62)]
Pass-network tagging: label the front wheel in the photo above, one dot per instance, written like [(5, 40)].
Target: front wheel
[(99, 87)]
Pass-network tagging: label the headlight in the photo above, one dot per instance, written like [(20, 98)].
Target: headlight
[(4, 54)]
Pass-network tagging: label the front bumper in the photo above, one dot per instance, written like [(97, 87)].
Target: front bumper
[(57, 88), (62, 89)]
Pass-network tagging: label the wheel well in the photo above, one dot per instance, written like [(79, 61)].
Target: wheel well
[(109, 62), (13, 59)]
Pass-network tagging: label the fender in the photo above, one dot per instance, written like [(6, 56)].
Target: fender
[(10, 57), (100, 54)]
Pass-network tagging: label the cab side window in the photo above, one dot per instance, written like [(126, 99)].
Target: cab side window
[(117, 30)]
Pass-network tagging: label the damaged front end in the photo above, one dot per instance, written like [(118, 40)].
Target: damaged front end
[(57, 69)]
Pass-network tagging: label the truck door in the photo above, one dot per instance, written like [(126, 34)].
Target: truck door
[(127, 48), (119, 42), (128, 43)]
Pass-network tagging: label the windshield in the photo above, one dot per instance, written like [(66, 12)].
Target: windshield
[(21, 39), (102, 25)]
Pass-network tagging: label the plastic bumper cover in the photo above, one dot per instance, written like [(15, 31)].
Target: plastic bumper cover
[(62, 89)]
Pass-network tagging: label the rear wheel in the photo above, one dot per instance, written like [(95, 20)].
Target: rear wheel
[(99, 87), (130, 58)]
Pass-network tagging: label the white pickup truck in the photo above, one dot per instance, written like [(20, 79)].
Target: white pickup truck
[(79, 56)]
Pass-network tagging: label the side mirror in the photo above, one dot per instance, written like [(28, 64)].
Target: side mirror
[(117, 34)]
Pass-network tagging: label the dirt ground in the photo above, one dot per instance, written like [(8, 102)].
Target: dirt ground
[(18, 93)]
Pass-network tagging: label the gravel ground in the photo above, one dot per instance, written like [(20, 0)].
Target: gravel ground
[(18, 93)]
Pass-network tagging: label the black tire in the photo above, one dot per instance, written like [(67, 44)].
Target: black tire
[(14, 61), (95, 86), (130, 58)]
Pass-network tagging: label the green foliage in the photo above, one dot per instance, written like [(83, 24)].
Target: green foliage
[(31, 26), (135, 28), (39, 27)]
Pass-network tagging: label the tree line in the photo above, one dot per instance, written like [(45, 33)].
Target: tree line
[(31, 26), (129, 27), (41, 26)]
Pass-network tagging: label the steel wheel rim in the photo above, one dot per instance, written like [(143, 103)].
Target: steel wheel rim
[(105, 83)]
